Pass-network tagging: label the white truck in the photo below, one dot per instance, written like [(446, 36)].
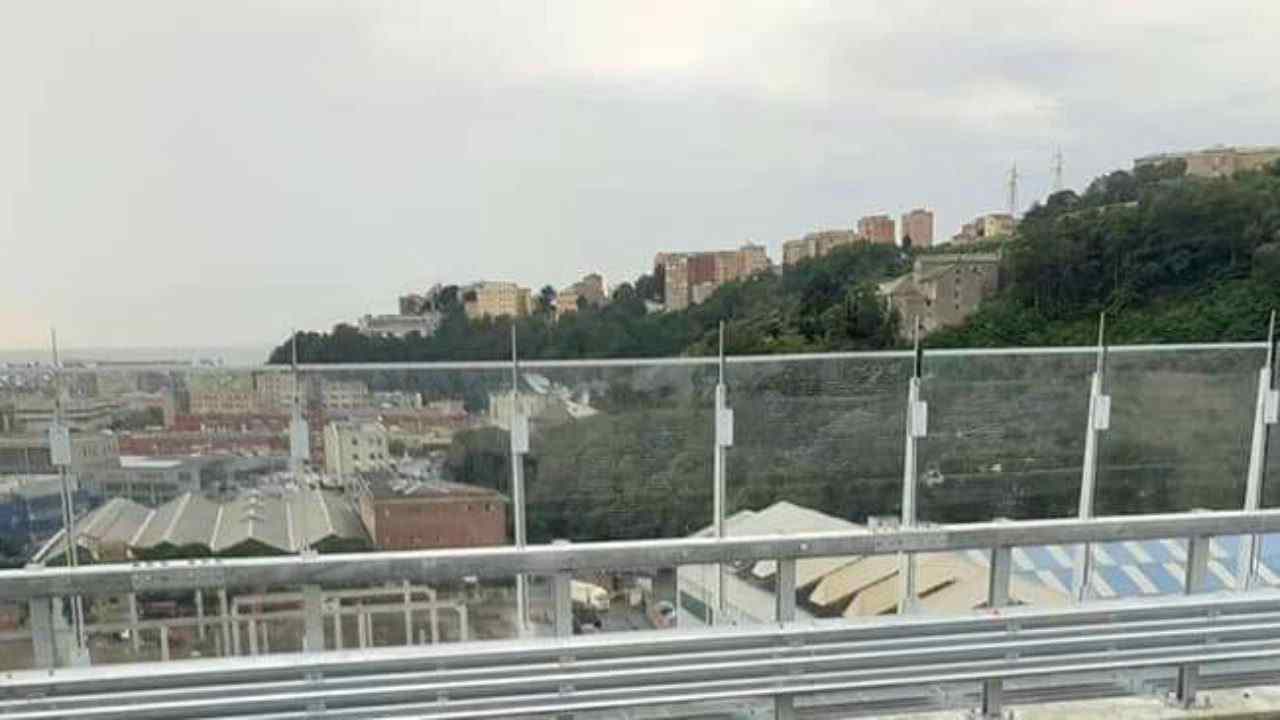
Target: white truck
[(589, 595)]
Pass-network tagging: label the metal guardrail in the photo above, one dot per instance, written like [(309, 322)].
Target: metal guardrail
[(481, 680), (505, 561)]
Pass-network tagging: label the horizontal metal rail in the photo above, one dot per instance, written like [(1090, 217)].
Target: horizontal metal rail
[(476, 680), (675, 361), (428, 566)]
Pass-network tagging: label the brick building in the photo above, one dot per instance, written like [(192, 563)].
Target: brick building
[(414, 514), (877, 229), (689, 278), (917, 228), (816, 244)]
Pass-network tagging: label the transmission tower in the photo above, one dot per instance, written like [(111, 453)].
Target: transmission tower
[(1057, 171), (1013, 190)]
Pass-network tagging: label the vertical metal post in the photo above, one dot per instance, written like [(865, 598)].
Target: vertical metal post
[(917, 427), (337, 628), (164, 643), (1198, 552), (1266, 414), (723, 440), (313, 618), (997, 597), (235, 629), (199, 593), (43, 645), (299, 449), (60, 455), (253, 634), (433, 616), (464, 630), (226, 622), (408, 613), (1099, 420), (784, 703), (562, 590), (519, 448), (133, 623)]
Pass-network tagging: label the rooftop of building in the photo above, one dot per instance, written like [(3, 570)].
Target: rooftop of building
[(192, 525), (387, 485)]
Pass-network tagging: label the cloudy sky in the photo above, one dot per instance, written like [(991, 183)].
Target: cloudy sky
[(215, 173)]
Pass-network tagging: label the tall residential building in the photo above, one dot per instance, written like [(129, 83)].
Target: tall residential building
[(590, 288), (917, 228), (877, 229), (495, 299), (816, 244), (1217, 161), (690, 278)]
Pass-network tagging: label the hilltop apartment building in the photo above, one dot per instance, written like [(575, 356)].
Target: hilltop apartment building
[(495, 299), (917, 228), (590, 288), (1217, 161), (690, 278)]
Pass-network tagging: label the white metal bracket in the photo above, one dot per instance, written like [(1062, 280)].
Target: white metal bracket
[(919, 419), (520, 434), (724, 427), (1102, 413)]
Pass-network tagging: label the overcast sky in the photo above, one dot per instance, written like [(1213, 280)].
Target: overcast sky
[(215, 173)]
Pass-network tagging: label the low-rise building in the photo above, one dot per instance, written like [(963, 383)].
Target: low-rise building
[(34, 414), (193, 526), (590, 289), (222, 393), (344, 394), (400, 326), (816, 244), (1220, 161), (848, 586), (495, 299), (942, 290), (403, 513), (354, 447), (985, 227)]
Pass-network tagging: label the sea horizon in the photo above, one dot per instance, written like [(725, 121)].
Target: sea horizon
[(232, 355)]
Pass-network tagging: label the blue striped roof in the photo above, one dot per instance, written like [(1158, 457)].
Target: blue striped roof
[(1147, 567)]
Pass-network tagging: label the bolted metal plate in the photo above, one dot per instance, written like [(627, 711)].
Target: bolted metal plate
[(163, 578), (911, 541)]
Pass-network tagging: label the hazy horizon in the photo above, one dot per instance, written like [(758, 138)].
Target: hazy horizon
[(215, 174)]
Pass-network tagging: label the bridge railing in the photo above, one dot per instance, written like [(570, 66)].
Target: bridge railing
[(894, 455)]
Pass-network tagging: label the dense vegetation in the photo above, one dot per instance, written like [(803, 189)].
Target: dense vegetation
[(829, 303), (1169, 259)]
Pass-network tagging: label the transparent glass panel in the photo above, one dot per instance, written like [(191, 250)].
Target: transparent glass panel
[(824, 434), (1005, 436), (618, 452), (1181, 424)]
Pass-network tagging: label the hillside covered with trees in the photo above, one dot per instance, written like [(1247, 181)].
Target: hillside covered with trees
[(1170, 258)]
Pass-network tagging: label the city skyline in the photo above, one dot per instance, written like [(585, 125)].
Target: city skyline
[(249, 170)]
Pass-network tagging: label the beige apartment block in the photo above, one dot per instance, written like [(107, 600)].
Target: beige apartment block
[(1217, 161), (495, 299)]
